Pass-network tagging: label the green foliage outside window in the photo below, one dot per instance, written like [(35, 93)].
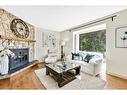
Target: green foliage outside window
[(93, 41)]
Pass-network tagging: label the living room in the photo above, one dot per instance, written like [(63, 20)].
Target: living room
[(54, 56)]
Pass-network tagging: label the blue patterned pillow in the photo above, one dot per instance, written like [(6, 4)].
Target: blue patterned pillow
[(75, 56), (88, 57)]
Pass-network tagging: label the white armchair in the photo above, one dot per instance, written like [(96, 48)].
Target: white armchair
[(52, 56), (94, 65)]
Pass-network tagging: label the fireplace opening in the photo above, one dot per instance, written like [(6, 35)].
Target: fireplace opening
[(20, 60)]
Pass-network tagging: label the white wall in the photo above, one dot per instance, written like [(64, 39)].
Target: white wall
[(68, 38), (40, 51), (116, 58)]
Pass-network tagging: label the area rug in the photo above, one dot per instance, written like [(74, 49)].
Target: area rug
[(82, 82)]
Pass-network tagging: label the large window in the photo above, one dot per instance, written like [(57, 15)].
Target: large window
[(93, 41)]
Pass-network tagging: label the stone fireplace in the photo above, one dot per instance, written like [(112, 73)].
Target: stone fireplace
[(22, 47)]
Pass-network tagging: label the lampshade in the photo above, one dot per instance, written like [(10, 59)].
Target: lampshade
[(63, 43)]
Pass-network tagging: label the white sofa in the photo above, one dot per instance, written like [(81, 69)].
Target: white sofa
[(94, 65)]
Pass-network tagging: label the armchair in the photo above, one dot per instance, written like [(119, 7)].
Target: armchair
[(52, 56)]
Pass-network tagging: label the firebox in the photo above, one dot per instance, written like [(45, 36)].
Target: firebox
[(21, 59)]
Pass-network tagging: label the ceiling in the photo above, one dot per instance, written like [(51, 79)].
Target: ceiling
[(59, 18)]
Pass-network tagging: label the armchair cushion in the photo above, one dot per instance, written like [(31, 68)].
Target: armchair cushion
[(52, 55), (50, 59)]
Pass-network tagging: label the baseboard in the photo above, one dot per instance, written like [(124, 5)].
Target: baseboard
[(117, 75)]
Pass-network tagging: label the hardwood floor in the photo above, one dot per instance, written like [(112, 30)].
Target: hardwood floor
[(28, 80), (115, 82), (24, 80)]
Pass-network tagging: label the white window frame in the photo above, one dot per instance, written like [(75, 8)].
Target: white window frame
[(86, 30)]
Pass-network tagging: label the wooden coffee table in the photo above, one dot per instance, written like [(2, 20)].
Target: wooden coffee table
[(61, 74)]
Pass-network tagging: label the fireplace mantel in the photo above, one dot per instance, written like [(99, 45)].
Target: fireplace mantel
[(16, 39)]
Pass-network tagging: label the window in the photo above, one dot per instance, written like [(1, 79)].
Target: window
[(93, 41)]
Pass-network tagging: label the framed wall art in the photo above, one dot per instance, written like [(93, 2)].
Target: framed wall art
[(121, 37), (48, 40)]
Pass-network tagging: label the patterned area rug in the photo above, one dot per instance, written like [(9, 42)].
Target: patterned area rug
[(82, 82)]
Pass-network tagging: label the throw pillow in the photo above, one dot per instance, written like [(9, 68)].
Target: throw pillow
[(88, 57), (75, 56)]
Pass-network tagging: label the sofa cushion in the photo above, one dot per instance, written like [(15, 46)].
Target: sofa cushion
[(83, 55)]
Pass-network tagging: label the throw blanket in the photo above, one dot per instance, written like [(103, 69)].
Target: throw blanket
[(4, 60)]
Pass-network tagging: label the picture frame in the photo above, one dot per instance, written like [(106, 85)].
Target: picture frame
[(48, 40), (121, 37)]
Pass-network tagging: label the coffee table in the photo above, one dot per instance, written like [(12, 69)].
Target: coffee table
[(63, 74)]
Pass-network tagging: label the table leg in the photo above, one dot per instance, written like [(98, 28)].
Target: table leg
[(47, 72), (78, 70), (60, 80)]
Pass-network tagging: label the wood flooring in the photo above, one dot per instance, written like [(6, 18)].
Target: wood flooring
[(115, 83), (24, 80), (28, 80)]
